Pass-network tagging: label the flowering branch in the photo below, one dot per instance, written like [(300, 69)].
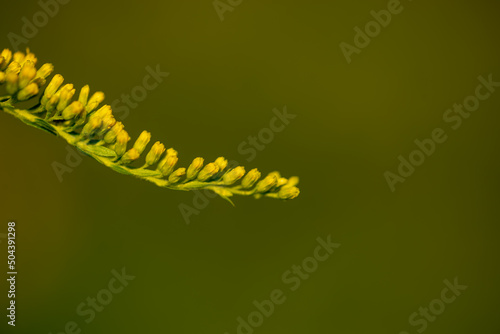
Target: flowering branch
[(96, 132)]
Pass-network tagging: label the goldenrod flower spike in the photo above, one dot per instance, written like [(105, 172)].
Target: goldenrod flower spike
[(80, 121)]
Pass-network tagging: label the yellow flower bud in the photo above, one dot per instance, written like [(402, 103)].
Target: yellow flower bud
[(107, 123), (166, 166), (130, 156), (28, 92), (121, 142), (275, 173), (293, 181), (111, 135), (250, 179), (45, 70), (11, 78), (171, 151), (30, 57), (14, 67), (94, 101), (208, 171), (221, 162), (233, 175), (2, 77), (177, 175), (103, 112), (42, 73), (51, 104), (267, 183), (67, 93), (282, 181), (279, 180), (194, 168), (19, 57), (52, 88), (27, 73), (288, 192), (84, 95), (155, 153), (73, 110), (39, 81), (6, 56), (91, 127), (141, 142)]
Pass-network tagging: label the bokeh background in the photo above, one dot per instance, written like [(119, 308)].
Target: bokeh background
[(226, 76)]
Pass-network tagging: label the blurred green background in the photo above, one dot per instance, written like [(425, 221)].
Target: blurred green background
[(352, 122)]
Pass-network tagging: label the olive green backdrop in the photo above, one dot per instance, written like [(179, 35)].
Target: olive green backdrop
[(226, 77)]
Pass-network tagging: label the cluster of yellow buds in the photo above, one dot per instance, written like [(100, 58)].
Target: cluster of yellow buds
[(23, 81), (81, 121), (57, 101)]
